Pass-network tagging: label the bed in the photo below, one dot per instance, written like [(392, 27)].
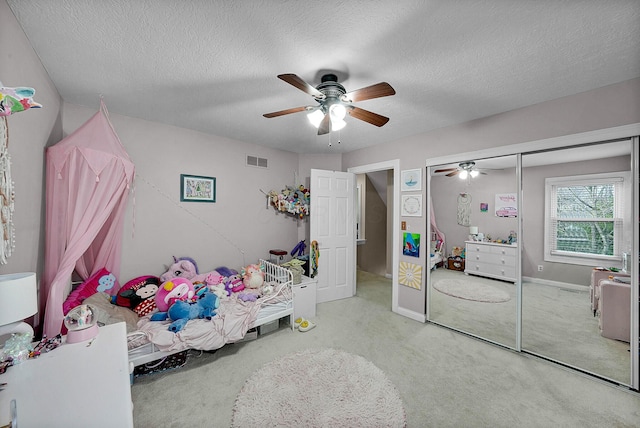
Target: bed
[(436, 251), (151, 340)]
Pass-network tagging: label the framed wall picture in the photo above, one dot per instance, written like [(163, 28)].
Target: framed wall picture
[(196, 188), (411, 244), (411, 206), (410, 274), (506, 205), (411, 179)]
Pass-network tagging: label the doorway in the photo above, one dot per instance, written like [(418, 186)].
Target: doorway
[(379, 172)]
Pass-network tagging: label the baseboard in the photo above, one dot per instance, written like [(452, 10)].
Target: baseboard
[(411, 314), (558, 284)]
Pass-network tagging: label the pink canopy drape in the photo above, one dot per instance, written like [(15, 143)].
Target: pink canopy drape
[(434, 227), (88, 177)]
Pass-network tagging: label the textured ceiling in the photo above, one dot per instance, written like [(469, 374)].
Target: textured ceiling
[(211, 66)]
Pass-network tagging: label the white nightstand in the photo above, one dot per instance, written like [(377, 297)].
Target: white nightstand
[(74, 385), (304, 298)]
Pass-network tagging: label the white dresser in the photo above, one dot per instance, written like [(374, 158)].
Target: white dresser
[(75, 385), (491, 260)]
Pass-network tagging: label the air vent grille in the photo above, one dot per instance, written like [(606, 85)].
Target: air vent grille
[(257, 161)]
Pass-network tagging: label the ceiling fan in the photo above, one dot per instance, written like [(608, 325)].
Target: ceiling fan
[(465, 169), (334, 102)]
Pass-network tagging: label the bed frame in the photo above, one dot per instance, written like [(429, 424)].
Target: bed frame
[(275, 275)]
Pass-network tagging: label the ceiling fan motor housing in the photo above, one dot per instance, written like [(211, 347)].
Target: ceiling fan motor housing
[(330, 87)]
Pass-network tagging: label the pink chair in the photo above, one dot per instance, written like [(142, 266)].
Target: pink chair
[(598, 275), (614, 310)]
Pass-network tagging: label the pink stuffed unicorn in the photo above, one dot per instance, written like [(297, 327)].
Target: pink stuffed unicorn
[(186, 267)]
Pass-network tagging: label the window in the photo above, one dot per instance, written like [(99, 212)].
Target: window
[(584, 218)]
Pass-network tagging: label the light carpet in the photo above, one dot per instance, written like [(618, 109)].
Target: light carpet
[(470, 289), (319, 388)]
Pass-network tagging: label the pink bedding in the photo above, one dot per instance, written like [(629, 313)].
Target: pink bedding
[(229, 325)]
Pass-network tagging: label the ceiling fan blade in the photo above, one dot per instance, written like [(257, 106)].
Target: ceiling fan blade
[(367, 116), (325, 125), (296, 81), (454, 173), (283, 112), (444, 170), (378, 90)]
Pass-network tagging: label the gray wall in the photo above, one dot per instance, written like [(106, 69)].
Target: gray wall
[(484, 187), (445, 192), (533, 220), (238, 229), (372, 255), (29, 133), (605, 107)]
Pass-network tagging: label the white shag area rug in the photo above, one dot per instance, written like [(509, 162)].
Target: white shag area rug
[(470, 289), (319, 388)]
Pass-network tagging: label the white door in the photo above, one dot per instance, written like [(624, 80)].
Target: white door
[(333, 227)]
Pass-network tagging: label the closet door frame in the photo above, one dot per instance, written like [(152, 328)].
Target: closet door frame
[(631, 131)]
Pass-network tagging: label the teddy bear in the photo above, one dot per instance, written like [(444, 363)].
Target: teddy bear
[(253, 276), (172, 291), (181, 312)]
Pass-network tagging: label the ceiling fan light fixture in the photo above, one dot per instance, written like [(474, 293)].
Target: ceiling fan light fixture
[(337, 124), (463, 174), (474, 173), (315, 117), (338, 111)]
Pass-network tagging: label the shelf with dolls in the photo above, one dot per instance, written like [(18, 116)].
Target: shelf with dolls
[(291, 200)]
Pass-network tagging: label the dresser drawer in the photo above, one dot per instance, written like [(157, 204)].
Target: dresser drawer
[(503, 250), (507, 273), (477, 248), (492, 258)]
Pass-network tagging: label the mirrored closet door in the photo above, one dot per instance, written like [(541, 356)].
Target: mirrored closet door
[(577, 233), (473, 228)]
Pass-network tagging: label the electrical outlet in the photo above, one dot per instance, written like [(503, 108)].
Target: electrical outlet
[(540, 268)]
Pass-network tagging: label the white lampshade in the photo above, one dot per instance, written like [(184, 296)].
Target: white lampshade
[(18, 300), (338, 111), (315, 117), (337, 124), (463, 174), (473, 230)]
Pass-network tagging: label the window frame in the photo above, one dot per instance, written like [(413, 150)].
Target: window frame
[(622, 181)]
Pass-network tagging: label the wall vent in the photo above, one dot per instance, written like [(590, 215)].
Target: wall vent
[(257, 161)]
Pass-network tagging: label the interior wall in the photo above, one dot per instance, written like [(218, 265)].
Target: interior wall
[(533, 185), (481, 189), (389, 244), (606, 107), (29, 133), (372, 255), (238, 229)]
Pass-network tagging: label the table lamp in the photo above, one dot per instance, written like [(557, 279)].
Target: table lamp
[(473, 232), (18, 301)]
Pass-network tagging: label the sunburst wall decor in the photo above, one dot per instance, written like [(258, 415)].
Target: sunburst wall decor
[(410, 275)]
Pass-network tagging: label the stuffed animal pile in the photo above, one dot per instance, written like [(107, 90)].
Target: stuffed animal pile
[(185, 294), (291, 200)]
